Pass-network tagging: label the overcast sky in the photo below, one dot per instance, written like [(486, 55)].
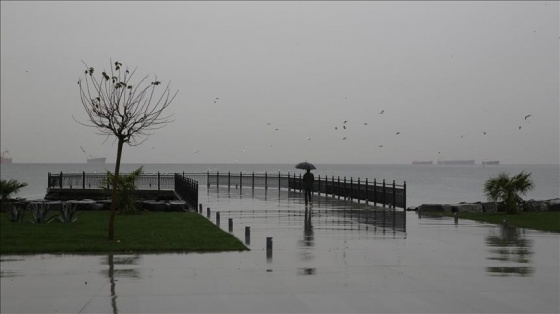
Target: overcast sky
[(442, 72)]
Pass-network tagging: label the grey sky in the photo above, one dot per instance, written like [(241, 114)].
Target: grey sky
[(439, 70)]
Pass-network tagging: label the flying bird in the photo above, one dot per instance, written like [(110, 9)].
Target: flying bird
[(344, 138), (380, 145), (336, 128), (365, 123), (344, 127), (527, 116), (382, 111), (345, 121), (520, 127)]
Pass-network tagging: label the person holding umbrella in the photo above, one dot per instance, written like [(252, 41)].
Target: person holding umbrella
[(308, 179)]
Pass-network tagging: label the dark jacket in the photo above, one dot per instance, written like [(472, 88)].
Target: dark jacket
[(308, 179)]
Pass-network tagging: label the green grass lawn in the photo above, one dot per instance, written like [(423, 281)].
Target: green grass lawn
[(543, 221), (146, 232)]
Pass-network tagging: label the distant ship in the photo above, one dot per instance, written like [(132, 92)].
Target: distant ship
[(6, 159), (491, 162), (456, 162), (423, 162), (100, 160)]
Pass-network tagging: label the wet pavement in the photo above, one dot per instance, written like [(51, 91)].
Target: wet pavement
[(327, 259)]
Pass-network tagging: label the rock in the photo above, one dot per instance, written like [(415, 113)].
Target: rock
[(468, 208), (490, 207), (435, 208)]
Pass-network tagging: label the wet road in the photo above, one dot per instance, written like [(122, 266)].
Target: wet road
[(324, 260)]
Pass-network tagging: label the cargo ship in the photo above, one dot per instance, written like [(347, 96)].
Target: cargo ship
[(491, 162), (5, 158), (423, 162), (456, 162), (100, 160)]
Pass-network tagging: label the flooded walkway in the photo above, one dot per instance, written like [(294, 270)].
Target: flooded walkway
[(327, 261)]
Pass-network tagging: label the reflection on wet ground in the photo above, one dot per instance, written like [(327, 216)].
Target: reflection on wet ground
[(329, 257), (512, 250)]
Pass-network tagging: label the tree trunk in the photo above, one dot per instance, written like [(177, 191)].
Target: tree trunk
[(114, 195)]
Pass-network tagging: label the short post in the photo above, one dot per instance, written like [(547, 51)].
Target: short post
[(269, 248), (374, 192), (217, 179), (247, 234), (505, 223), (228, 180), (208, 212), (230, 224), (240, 182), (218, 218), (279, 181), (208, 179), (61, 180), (253, 181), (456, 218), (200, 208), (359, 195), (83, 180)]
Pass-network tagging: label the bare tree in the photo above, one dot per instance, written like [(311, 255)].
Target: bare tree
[(117, 107)]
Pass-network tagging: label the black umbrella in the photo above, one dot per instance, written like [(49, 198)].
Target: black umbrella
[(305, 166)]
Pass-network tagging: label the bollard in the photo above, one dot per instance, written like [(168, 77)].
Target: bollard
[(456, 218), (505, 223), (247, 235), (269, 249), (208, 212), (230, 225), (200, 208), (218, 218)]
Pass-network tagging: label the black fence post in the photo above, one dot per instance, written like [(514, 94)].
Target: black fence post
[(300, 183), (279, 180), (253, 182), (394, 195), (319, 185), (228, 180), (345, 189), (338, 188), (217, 180), (49, 180), (208, 179), (384, 193), (374, 192), (332, 187), (240, 182), (394, 209), (404, 206), (359, 197), (158, 181), (83, 180), (60, 180), (266, 180), (367, 192)]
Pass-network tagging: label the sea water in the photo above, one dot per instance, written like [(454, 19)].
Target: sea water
[(425, 183)]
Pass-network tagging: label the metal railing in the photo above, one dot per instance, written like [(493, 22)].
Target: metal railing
[(377, 192)]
